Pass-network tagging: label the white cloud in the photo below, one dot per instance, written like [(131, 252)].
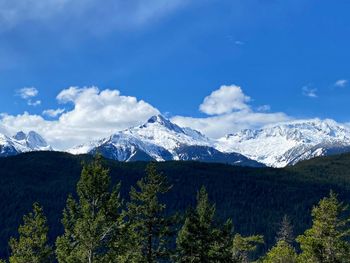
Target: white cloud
[(309, 92), (96, 114), (99, 113), (341, 83), (107, 108), (225, 100), (221, 125), (53, 113), (27, 93), (88, 14), (34, 103), (229, 104), (264, 108), (71, 94)]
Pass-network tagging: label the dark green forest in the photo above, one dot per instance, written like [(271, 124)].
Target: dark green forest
[(255, 199)]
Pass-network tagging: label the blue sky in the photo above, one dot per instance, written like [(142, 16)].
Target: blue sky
[(291, 58)]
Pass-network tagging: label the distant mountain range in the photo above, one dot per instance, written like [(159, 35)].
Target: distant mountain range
[(22, 142), (288, 143), (159, 139)]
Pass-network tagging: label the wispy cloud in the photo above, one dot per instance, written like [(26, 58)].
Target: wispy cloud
[(309, 92), (28, 94), (239, 43), (341, 83), (264, 108), (53, 113), (34, 102), (111, 15)]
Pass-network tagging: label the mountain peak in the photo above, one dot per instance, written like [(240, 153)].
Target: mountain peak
[(20, 136), (22, 142), (35, 140), (157, 118), (162, 121), (158, 138)]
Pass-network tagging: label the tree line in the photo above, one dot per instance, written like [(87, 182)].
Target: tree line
[(101, 227)]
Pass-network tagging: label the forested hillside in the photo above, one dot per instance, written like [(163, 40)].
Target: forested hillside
[(256, 199)]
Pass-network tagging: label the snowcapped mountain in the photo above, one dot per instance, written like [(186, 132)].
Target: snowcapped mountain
[(287, 143), (22, 142), (161, 140)]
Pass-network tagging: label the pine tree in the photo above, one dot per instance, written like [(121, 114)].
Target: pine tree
[(283, 251), (326, 241), (32, 244), (243, 246), (147, 217), (285, 232), (93, 224), (221, 247), (195, 239)]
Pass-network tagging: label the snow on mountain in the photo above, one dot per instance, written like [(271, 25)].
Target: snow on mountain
[(275, 145), (159, 139), (86, 147), (163, 133), (22, 142), (287, 143)]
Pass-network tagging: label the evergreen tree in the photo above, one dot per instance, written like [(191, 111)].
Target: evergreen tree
[(285, 232), (221, 248), (243, 246), (188, 241), (326, 241), (282, 252), (147, 218), (94, 223), (31, 246), (195, 239)]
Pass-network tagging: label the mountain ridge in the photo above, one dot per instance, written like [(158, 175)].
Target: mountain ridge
[(22, 142), (288, 143), (159, 139)]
